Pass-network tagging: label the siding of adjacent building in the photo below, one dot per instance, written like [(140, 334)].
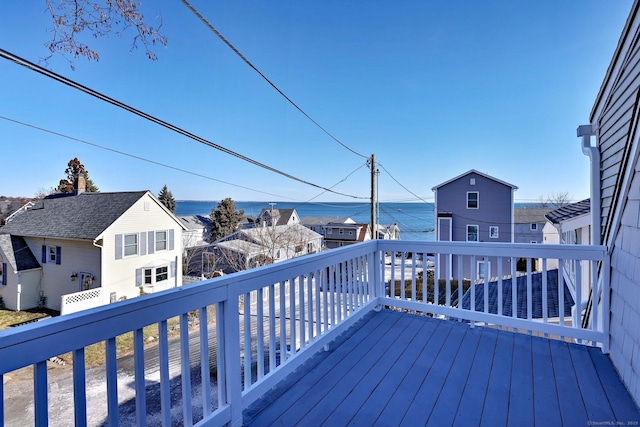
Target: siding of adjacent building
[(615, 120)]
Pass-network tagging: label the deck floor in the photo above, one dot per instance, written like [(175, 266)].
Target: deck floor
[(401, 369)]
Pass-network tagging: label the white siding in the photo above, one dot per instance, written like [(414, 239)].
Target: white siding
[(75, 256), (120, 274)]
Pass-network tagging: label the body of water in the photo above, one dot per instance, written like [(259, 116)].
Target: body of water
[(415, 220)]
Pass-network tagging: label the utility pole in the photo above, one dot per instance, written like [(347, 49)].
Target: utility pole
[(374, 202)]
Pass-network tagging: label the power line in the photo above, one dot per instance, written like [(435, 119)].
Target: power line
[(96, 94), (398, 182), (113, 150), (237, 52)]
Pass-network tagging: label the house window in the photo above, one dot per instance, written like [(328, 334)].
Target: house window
[(148, 276), (341, 231), (482, 269), (472, 200), (329, 230), (130, 244), (472, 233), (534, 227), (533, 241), (3, 275), (162, 273), (350, 232), (278, 254), (52, 254), (493, 232), (161, 240), (309, 247), (298, 248), (472, 181)]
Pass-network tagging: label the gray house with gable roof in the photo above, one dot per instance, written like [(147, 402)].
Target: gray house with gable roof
[(474, 207), (80, 251)]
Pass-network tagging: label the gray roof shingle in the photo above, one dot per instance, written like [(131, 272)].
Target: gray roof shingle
[(17, 253), (84, 216), (573, 210), (521, 304)]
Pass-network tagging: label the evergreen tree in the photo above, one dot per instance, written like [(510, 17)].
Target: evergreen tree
[(225, 219), (166, 198), (74, 168)]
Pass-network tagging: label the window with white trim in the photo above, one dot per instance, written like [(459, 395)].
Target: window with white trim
[(3, 274), (52, 255), (341, 231), (161, 240), (482, 269), (533, 227), (155, 275), (494, 232), (130, 244), (472, 233), (473, 198)]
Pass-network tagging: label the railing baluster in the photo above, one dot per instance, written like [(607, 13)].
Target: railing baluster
[(138, 361), (577, 314), (260, 333), (221, 372), (500, 284), (272, 328), (1, 400), (112, 382), (447, 272), (545, 301), (332, 293), (460, 281), (344, 289), (165, 385), (303, 317), (485, 288), (41, 406), (403, 295), (436, 284), (392, 281), (283, 323), (79, 388), (292, 315), (310, 302), (529, 292), (514, 289), (324, 280), (247, 340), (317, 277), (561, 292), (472, 271), (414, 293), (187, 408)]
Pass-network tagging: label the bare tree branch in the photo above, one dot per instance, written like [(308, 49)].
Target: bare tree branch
[(71, 18)]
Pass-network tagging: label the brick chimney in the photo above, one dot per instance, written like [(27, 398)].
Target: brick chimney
[(79, 184)]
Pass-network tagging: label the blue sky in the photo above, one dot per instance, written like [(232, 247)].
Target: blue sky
[(432, 88)]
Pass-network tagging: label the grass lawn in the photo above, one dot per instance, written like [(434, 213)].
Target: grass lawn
[(9, 318)]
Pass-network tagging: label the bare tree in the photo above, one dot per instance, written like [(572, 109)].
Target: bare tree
[(554, 200), (98, 18)]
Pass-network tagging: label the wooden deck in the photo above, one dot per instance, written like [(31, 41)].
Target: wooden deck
[(402, 369)]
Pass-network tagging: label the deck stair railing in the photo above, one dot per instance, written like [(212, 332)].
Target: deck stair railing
[(255, 327)]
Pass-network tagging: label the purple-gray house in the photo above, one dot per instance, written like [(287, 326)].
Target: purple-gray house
[(474, 207)]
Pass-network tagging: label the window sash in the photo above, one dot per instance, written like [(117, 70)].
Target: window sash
[(162, 274), (161, 240), (130, 244), (472, 233), (472, 200)]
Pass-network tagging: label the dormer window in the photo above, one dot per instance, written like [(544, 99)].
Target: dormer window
[(472, 200)]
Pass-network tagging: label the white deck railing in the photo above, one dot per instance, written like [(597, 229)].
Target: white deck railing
[(269, 320)]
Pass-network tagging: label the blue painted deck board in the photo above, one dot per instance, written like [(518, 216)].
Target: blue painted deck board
[(446, 407), (408, 381), (423, 405), (521, 411), (379, 390), (401, 369), (570, 401), (545, 391), (328, 382), (496, 404), (472, 401), (596, 402), (624, 408), (406, 393)]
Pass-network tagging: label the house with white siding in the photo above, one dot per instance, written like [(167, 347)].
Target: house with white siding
[(614, 155), (74, 252)]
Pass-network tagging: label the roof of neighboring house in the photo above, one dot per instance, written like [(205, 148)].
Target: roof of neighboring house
[(530, 215), (513, 187), (273, 235), (364, 232), (324, 220), (194, 222), (521, 304), (17, 253), (241, 246), (283, 215), (573, 210), (84, 216)]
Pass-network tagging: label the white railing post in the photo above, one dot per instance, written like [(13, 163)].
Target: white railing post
[(232, 357)]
